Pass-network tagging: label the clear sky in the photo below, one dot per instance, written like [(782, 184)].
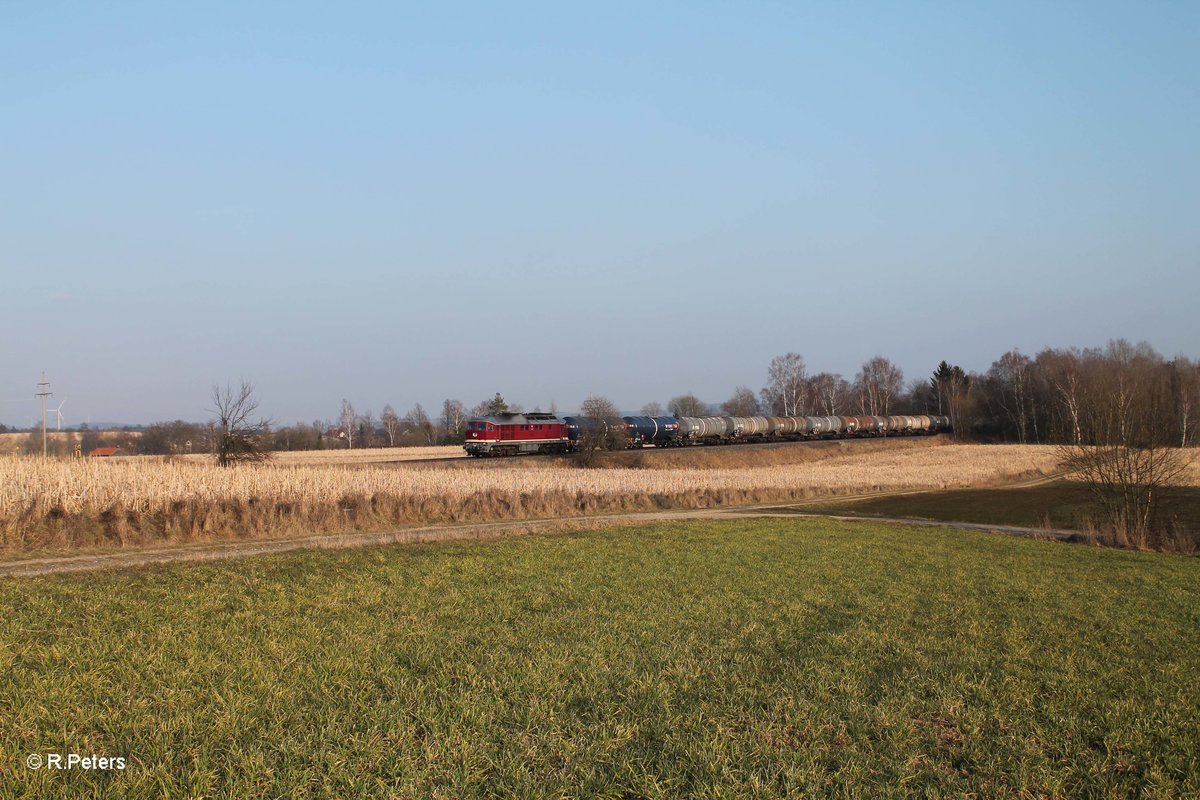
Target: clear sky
[(394, 203)]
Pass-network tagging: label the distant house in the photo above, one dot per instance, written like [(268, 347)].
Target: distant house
[(104, 452)]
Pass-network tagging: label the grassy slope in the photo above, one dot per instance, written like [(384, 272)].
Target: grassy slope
[(755, 658), (1061, 505)]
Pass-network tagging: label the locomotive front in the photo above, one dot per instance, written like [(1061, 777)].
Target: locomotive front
[(480, 437), (515, 434)]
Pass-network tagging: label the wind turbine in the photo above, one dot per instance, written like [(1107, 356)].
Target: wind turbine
[(58, 411)]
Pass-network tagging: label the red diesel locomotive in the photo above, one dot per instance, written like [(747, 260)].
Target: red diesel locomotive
[(511, 434)]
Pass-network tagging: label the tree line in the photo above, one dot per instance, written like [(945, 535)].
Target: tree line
[(351, 429), (790, 391), (1059, 396)]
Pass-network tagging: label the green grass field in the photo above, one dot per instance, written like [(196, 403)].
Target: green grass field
[(727, 659)]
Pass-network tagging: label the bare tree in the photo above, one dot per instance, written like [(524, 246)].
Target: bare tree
[(742, 403), (877, 385), (239, 439), (787, 388), (1011, 375), (1125, 457), (366, 429), (920, 397), (959, 403), (687, 405), (346, 420), (391, 424), (453, 419), (1128, 482), (652, 409), (1185, 388), (602, 429), (1062, 371), (421, 423), (598, 407), (300, 436), (831, 393), (89, 439), (953, 388)]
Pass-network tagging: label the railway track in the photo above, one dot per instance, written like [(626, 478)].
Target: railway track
[(650, 450)]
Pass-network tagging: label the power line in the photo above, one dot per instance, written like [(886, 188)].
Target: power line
[(44, 392)]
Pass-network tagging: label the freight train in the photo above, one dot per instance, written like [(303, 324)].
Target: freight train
[(537, 432)]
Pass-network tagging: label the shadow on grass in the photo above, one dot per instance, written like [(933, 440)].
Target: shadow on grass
[(1062, 504)]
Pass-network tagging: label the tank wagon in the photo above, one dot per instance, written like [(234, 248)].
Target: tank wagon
[(658, 431), (514, 434), (579, 427)]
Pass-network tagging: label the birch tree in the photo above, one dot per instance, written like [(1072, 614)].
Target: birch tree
[(346, 422), (391, 424), (877, 385), (1011, 376), (787, 388), (831, 393)]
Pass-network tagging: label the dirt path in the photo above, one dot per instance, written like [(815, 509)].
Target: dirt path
[(213, 551), (335, 541), (451, 533)]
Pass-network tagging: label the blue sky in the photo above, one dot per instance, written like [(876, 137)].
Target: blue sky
[(395, 204)]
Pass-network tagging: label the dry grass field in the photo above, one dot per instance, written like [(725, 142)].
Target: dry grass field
[(752, 455), (63, 442), (342, 457), (124, 502), (1193, 473), (369, 456)]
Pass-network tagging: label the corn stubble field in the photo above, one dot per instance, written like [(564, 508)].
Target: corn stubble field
[(122, 502), (750, 658), (371, 455)]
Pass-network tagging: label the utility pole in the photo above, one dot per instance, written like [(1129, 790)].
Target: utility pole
[(43, 392)]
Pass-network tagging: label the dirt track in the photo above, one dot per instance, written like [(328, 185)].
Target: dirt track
[(483, 530)]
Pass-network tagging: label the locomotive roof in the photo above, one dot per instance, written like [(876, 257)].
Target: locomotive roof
[(508, 418)]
